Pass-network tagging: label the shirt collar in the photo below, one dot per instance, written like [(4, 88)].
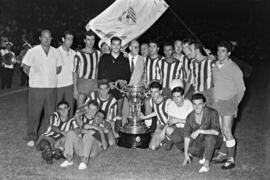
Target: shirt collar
[(135, 57)]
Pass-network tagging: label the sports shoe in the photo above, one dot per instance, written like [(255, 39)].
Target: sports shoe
[(202, 161), (66, 163), (220, 158), (30, 143), (229, 164), (204, 169), (82, 166)]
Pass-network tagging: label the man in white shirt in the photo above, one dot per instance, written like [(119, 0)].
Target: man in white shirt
[(65, 78), (178, 111), (42, 64)]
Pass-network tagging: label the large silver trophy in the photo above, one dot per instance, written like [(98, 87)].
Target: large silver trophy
[(134, 134)]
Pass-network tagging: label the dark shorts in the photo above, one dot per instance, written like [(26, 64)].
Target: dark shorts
[(226, 107)]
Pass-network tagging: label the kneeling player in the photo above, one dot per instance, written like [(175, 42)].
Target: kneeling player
[(178, 111), (160, 105), (90, 138), (50, 142), (202, 132)]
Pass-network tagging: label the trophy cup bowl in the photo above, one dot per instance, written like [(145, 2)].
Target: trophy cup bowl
[(134, 134)]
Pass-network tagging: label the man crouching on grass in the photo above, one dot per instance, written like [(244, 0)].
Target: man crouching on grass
[(50, 143), (201, 132), (90, 138)]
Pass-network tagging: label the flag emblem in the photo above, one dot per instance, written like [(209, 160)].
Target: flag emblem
[(128, 16)]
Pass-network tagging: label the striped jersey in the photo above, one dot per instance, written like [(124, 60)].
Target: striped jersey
[(185, 66), (86, 121), (86, 64), (55, 120), (201, 74), (169, 71), (109, 105), (161, 109), (151, 68)]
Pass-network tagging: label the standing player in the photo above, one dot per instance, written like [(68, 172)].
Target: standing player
[(200, 77), (151, 62), (178, 54), (65, 79), (144, 50), (85, 69), (228, 92), (169, 68)]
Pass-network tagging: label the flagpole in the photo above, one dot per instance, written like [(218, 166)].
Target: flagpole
[(184, 24)]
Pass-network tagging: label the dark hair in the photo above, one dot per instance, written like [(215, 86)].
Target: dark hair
[(198, 96), (226, 45), (67, 32), (168, 44), (198, 45), (187, 40), (102, 112), (155, 85), (154, 42), (115, 38), (177, 41), (89, 33), (178, 89), (103, 82), (144, 44), (62, 103), (93, 102)]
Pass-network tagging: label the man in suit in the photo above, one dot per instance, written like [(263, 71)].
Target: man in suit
[(136, 64)]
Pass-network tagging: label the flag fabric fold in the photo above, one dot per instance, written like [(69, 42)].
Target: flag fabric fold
[(127, 19)]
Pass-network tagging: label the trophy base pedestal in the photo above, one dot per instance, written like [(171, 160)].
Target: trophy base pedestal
[(129, 140)]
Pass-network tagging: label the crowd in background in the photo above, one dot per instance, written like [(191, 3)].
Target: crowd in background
[(19, 25)]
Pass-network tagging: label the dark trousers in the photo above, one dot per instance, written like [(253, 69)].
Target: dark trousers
[(24, 78), (39, 99), (7, 75), (66, 94), (204, 146), (177, 137)]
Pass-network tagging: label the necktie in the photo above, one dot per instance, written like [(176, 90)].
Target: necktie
[(132, 65)]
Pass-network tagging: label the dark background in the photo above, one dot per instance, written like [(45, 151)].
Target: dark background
[(244, 21)]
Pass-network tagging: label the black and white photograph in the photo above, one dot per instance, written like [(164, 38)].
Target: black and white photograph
[(134, 89)]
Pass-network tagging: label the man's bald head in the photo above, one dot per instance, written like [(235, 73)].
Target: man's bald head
[(134, 47), (45, 37)]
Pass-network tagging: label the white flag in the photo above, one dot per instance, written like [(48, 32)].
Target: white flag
[(127, 19)]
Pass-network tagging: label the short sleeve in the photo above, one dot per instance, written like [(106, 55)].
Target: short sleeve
[(54, 120), (76, 63), (28, 59), (167, 105), (190, 106), (59, 58)]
